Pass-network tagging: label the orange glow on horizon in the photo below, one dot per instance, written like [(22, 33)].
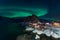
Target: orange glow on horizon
[(56, 24)]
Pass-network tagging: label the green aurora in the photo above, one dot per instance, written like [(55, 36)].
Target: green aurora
[(13, 12)]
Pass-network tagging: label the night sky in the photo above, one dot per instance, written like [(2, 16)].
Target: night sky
[(42, 8)]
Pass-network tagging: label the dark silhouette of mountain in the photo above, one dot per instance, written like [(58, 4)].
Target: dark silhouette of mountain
[(10, 28)]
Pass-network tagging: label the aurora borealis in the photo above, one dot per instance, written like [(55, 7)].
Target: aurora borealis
[(22, 12), (44, 8)]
